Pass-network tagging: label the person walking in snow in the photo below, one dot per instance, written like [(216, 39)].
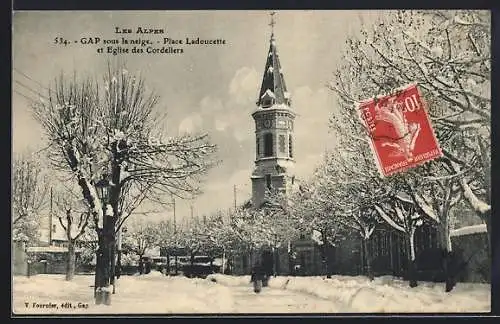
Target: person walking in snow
[(141, 266), (258, 276)]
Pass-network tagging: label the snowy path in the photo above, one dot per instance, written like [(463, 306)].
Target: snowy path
[(347, 294), (274, 300)]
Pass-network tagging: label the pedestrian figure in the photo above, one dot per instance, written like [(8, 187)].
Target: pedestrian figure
[(268, 267), (229, 267), (141, 266), (258, 276)]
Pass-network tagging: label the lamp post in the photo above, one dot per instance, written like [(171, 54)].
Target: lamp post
[(103, 253), (123, 230), (118, 270)]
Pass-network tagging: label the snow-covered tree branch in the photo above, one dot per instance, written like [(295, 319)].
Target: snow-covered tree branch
[(74, 217), (29, 196)]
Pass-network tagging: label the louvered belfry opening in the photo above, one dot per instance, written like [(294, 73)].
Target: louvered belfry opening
[(268, 145)]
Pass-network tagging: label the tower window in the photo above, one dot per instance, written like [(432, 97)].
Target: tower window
[(258, 146), (53, 228), (268, 145), (282, 143), (290, 146), (268, 181), (268, 102)]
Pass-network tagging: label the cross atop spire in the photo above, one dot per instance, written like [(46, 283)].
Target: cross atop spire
[(272, 23)]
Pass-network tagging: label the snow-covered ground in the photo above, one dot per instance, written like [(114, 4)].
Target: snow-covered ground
[(383, 294), (158, 294), (153, 293)]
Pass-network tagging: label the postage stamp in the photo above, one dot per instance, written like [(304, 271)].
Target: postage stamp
[(401, 134)]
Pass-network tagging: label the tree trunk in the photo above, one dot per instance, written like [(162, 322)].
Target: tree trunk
[(487, 220), (191, 262), (168, 265), (327, 264), (118, 264), (104, 278), (113, 265), (391, 255), (444, 236), (362, 257), (141, 264), (106, 247), (223, 267), (97, 275), (487, 172), (250, 263), (412, 269), (368, 263), (325, 251), (447, 253), (70, 262)]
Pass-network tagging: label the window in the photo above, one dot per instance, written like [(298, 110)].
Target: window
[(290, 146), (268, 144), (268, 181), (258, 146), (53, 228), (267, 102), (282, 144)]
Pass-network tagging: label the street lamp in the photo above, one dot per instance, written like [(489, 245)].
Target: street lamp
[(102, 187)]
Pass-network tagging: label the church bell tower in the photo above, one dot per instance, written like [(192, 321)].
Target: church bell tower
[(274, 122)]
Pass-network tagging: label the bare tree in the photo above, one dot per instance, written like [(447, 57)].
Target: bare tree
[(168, 239), (303, 212), (222, 236), (347, 184), (109, 134), (74, 217), (251, 230), (29, 193), (141, 236)]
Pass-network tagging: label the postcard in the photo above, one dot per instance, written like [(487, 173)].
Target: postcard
[(188, 163)]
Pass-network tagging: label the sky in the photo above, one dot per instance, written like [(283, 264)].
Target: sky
[(209, 89)]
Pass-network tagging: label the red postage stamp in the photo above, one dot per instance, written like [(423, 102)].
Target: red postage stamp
[(400, 131)]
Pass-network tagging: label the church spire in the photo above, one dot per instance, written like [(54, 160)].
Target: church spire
[(273, 89)]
